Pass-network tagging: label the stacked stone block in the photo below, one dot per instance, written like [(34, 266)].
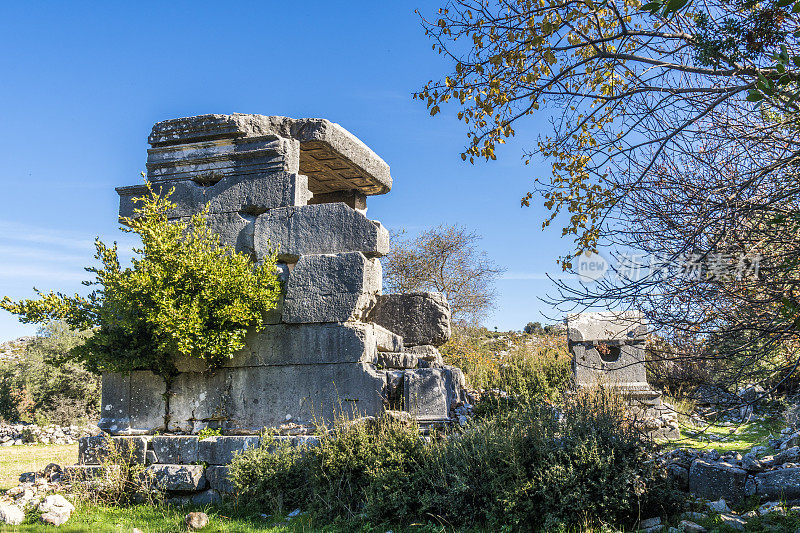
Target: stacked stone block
[(183, 466), (336, 346)]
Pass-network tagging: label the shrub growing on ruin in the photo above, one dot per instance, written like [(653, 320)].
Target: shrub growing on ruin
[(533, 468), (185, 294)]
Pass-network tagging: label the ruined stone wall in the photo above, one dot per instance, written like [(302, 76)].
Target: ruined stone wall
[(335, 346)]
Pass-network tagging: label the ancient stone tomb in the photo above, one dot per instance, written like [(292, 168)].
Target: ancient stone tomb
[(608, 349), (336, 346)]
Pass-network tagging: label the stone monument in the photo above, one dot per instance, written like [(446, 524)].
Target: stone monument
[(608, 349), (336, 346)]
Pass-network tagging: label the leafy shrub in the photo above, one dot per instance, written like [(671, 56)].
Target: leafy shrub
[(536, 468), (40, 387), (209, 432), (273, 477), (185, 295), (356, 464)]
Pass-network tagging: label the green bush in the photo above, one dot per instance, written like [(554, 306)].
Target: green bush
[(185, 295), (534, 468), (40, 388)]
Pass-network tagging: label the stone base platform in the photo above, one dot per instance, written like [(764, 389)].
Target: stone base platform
[(186, 467)]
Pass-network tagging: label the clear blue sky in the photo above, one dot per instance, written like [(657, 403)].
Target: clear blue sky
[(82, 83)]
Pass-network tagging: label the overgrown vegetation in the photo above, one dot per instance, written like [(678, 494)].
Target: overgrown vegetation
[(185, 295), (40, 387), (123, 479), (536, 467), (528, 368)]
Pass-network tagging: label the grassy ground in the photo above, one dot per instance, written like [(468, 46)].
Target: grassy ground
[(165, 519), (14, 460), (724, 438)]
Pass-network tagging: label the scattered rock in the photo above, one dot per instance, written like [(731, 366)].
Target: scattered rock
[(293, 513), (650, 522), (651, 525), (691, 527), (56, 509), (11, 514), (771, 507), (693, 515), (789, 455), (55, 519), (196, 520), (720, 506), (733, 521)]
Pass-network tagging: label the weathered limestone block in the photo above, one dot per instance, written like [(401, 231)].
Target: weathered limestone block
[(397, 360), (175, 449), (420, 317), (291, 344), (249, 194), (233, 229), (97, 449), (73, 473), (220, 450), (331, 288), (425, 394), (608, 348), (318, 229), (783, 484), (355, 199), (717, 480), (333, 158), (455, 383), (287, 344), (386, 340), (115, 398), (132, 404), (177, 477), (619, 365), (218, 479), (245, 400), (209, 161), (92, 450), (426, 352)]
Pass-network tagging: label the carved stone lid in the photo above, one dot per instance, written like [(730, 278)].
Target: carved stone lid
[(606, 326), (333, 158)]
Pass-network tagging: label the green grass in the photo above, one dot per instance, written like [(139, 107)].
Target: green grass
[(14, 460), (154, 519), (168, 519), (726, 438)]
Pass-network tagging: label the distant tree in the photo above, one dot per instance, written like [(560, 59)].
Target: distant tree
[(41, 386), (534, 328), (444, 259)]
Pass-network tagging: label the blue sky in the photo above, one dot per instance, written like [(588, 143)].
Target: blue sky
[(82, 84)]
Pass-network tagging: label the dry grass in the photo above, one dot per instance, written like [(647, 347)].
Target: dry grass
[(14, 460)]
